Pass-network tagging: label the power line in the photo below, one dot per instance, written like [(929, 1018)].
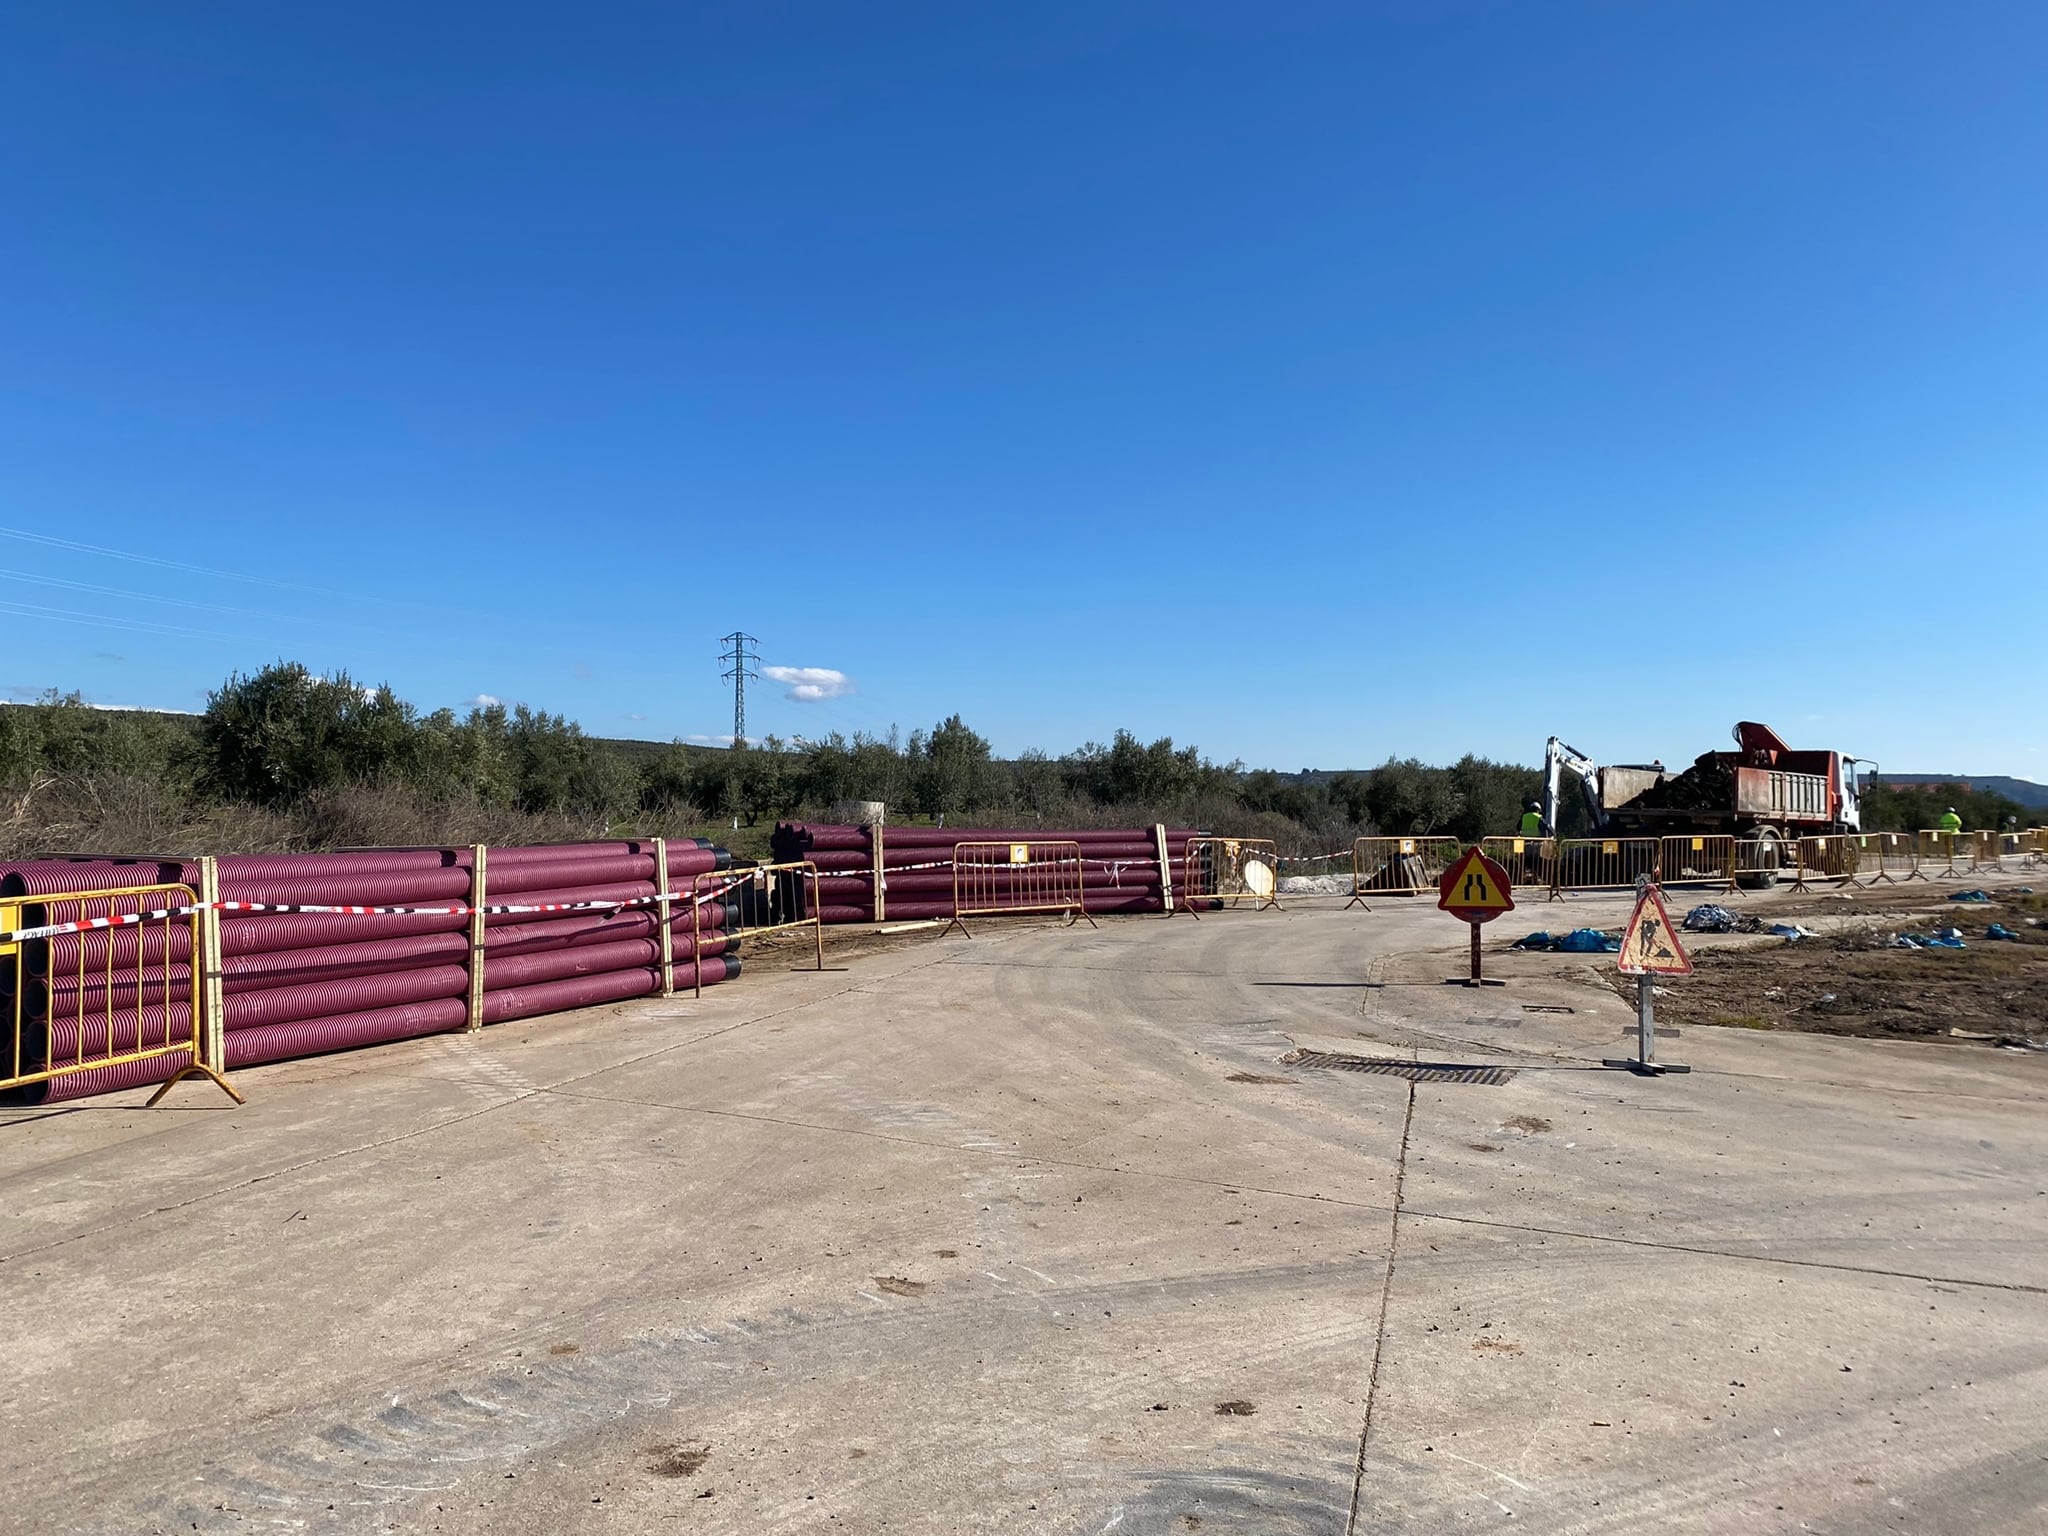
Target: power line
[(740, 661)]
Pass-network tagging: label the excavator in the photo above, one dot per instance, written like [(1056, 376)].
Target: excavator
[(1762, 793)]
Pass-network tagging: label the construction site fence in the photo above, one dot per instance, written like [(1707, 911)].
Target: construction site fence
[(94, 1014), (1605, 863), (1227, 872), (1531, 862), (1399, 866), (1705, 859), (1000, 879), (762, 899)]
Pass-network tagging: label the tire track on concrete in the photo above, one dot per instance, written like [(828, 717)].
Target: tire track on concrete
[(1379, 1348)]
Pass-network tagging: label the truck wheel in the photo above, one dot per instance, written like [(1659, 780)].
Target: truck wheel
[(1759, 855)]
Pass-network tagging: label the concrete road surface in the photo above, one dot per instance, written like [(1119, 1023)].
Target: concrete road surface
[(1049, 1231)]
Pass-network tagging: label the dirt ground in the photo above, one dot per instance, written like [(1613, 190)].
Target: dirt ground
[(1851, 982)]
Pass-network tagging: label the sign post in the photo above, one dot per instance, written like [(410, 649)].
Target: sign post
[(1475, 890), (1649, 949)]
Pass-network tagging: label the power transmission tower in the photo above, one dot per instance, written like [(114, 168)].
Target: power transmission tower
[(741, 663)]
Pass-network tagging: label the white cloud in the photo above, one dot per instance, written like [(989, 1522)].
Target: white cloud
[(810, 685), (710, 741), (483, 701)]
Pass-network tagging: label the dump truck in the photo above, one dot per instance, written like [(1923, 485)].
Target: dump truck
[(1762, 794)]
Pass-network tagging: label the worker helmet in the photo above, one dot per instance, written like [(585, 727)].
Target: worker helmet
[(1532, 806)]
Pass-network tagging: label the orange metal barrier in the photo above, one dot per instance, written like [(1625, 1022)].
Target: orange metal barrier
[(992, 879), (1529, 861), (1398, 866), (1227, 870), (121, 995), (1604, 863), (1708, 859), (772, 898)]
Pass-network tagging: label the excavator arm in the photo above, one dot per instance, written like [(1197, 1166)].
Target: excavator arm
[(1557, 759)]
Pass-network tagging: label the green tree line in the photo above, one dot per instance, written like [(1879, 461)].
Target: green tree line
[(294, 746)]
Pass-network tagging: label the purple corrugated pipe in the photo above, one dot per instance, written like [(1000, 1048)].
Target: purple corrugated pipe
[(130, 1074), (398, 888), (309, 1037), (246, 1010), (336, 962), (40, 877), (588, 991), (326, 866)]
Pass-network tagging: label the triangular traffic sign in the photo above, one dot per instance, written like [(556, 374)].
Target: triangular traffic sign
[(1650, 943), (1475, 888)]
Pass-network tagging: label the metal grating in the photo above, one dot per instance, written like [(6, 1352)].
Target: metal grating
[(1413, 1071)]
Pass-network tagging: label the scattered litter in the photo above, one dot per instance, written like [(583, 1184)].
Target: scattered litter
[(1580, 941), (1708, 918), (1824, 999), (1967, 896), (1774, 992), (1792, 933), (1589, 941), (1711, 917), (1906, 941), (2000, 931), (1941, 938)]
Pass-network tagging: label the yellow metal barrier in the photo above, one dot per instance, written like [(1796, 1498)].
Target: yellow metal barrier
[(1827, 857), (1227, 870), (1604, 863), (1760, 860), (107, 996), (1398, 866), (1708, 859), (770, 898), (1898, 858), (992, 879), (1947, 854), (1529, 861)]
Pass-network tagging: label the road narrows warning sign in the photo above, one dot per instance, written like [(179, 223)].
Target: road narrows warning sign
[(1475, 890)]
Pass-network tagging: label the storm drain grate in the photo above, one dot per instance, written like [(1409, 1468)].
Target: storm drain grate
[(1414, 1071)]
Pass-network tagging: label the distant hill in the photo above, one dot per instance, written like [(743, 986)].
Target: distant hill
[(2025, 791)]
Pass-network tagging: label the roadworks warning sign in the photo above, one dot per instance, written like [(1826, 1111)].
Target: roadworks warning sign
[(1649, 945)]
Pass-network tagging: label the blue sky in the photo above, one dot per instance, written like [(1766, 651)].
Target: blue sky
[(1312, 383)]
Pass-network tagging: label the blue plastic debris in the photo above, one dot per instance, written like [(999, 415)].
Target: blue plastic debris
[(1534, 941), (1967, 896), (1589, 941), (1944, 938), (1709, 918), (2000, 931)]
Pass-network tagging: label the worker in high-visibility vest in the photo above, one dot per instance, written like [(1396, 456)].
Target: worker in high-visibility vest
[(1950, 822), (1531, 871)]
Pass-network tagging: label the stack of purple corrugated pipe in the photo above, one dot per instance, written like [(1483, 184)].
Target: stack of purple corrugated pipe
[(1119, 867), (295, 984)]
